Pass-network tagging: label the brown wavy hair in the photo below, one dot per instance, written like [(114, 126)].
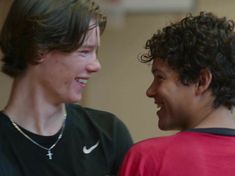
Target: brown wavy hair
[(34, 26)]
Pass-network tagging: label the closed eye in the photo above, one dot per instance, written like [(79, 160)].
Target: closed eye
[(85, 51), (159, 77)]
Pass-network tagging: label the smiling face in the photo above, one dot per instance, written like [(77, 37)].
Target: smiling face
[(174, 100), (62, 76)]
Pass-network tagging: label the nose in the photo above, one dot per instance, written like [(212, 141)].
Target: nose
[(94, 66), (151, 91)]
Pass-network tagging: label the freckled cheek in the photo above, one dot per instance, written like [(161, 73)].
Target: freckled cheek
[(66, 83), (64, 75)]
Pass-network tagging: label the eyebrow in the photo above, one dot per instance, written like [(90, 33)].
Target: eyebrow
[(89, 46), (155, 70)]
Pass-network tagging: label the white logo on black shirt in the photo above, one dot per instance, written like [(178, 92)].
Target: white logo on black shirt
[(89, 150)]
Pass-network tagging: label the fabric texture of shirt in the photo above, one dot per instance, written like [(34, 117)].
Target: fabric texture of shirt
[(93, 144), (197, 152)]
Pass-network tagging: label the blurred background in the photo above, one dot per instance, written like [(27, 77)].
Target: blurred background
[(121, 84)]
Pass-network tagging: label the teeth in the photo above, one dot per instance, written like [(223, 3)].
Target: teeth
[(83, 81), (158, 108)]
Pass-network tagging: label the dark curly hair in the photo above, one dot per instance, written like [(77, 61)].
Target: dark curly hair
[(196, 43), (36, 26)]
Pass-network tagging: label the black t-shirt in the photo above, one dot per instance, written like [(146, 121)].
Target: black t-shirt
[(104, 137)]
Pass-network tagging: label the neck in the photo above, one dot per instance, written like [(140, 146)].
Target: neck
[(32, 110), (220, 117)]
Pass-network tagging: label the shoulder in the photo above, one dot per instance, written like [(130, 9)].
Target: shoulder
[(146, 157), (161, 144), (97, 116), (104, 121), (152, 145), (102, 116), (166, 147)]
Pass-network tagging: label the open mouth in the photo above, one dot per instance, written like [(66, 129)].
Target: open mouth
[(159, 107), (81, 81)]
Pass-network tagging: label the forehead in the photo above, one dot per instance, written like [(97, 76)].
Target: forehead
[(92, 36), (160, 65)]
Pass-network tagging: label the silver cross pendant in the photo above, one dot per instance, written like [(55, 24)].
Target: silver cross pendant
[(49, 154)]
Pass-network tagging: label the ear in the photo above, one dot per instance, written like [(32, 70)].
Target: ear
[(41, 56), (203, 82)]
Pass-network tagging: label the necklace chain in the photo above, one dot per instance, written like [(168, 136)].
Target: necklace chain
[(49, 153)]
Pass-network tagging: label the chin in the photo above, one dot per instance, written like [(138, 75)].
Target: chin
[(162, 127), (165, 127), (74, 99)]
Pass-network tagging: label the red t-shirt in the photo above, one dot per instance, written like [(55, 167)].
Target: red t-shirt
[(183, 154)]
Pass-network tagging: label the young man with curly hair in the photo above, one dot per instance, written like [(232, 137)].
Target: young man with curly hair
[(193, 65)]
